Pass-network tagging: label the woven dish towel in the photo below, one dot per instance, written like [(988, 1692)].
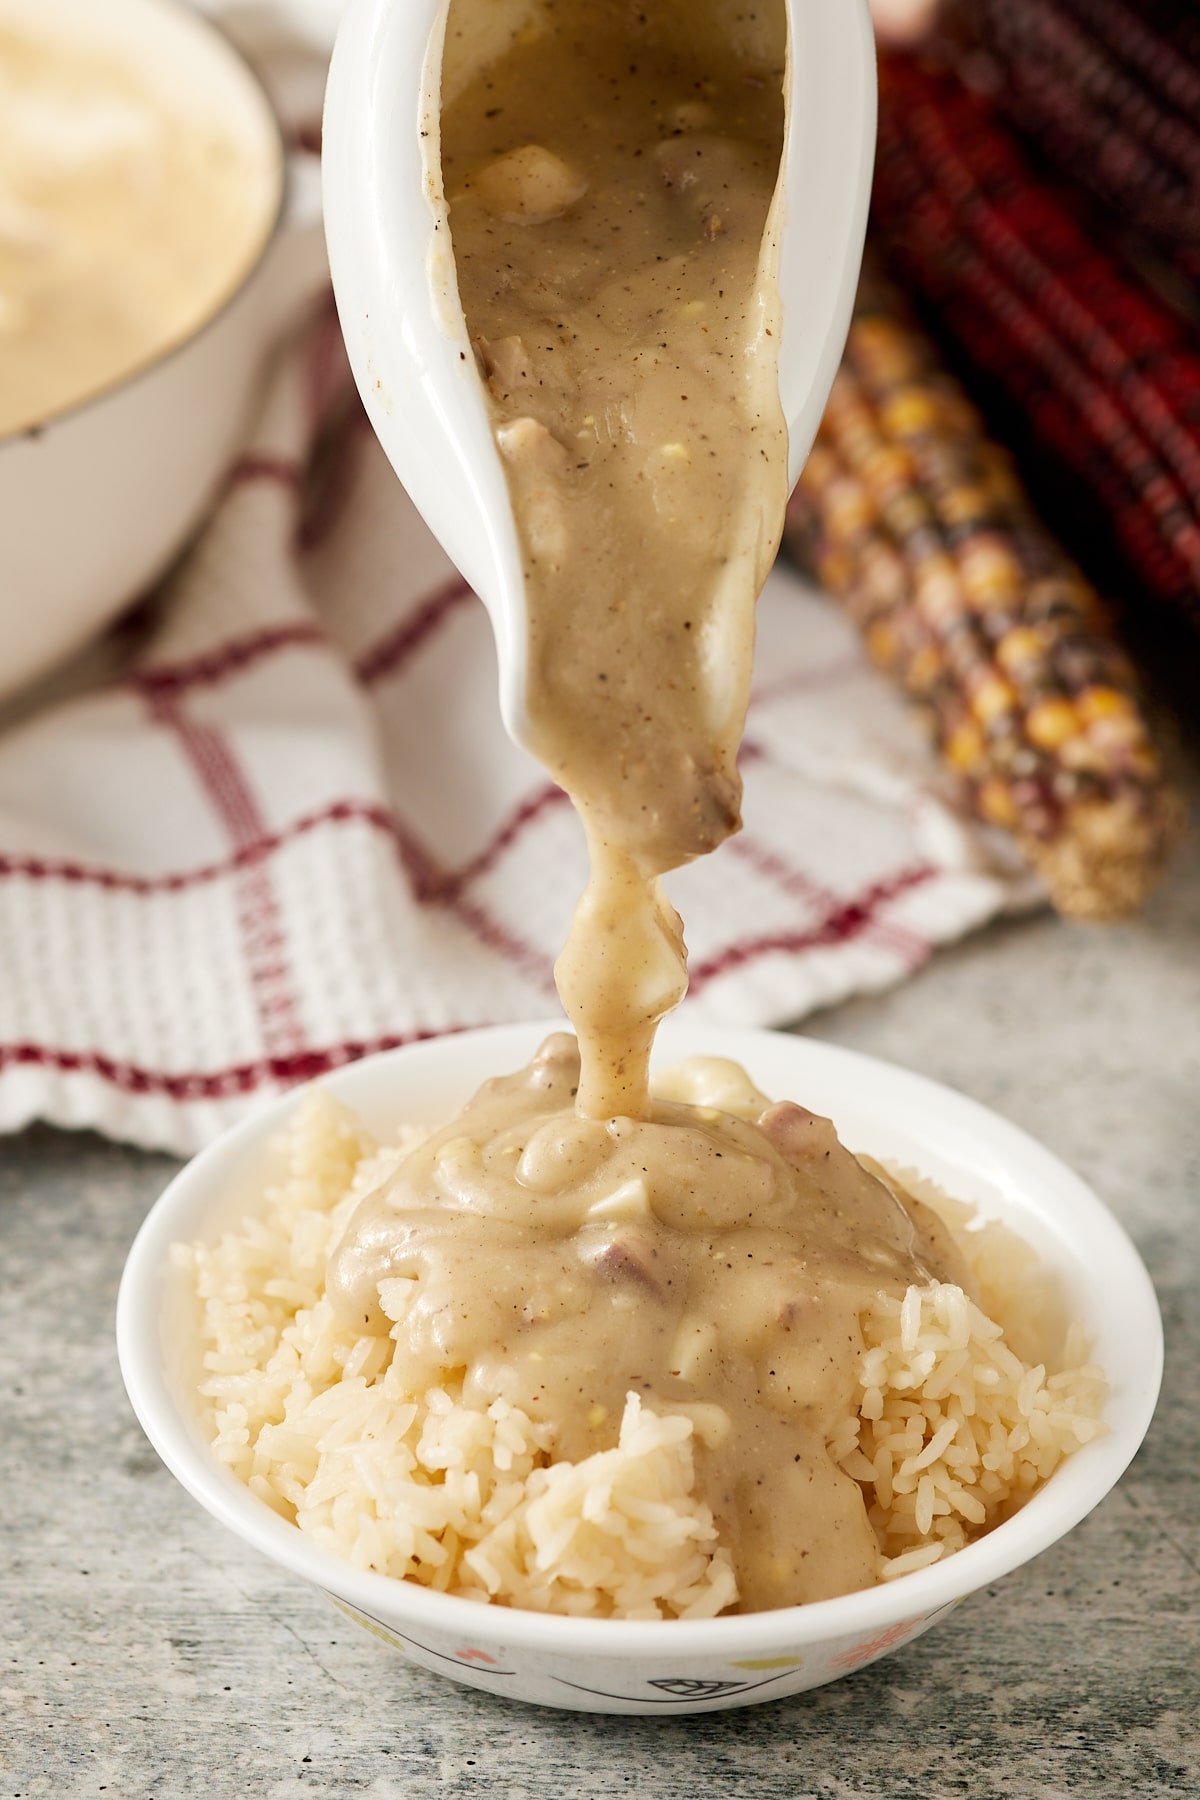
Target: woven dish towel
[(282, 826)]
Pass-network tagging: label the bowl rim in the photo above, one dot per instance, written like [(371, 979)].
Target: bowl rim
[(1077, 1486), (203, 24)]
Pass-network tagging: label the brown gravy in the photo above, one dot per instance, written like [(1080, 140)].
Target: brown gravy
[(567, 1240), (712, 1259), (615, 273)]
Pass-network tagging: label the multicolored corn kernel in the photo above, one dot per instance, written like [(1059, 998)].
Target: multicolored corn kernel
[(1099, 371), (1110, 93), (915, 521)]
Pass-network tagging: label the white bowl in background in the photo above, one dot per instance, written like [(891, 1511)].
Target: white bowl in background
[(676, 1666), (96, 499)]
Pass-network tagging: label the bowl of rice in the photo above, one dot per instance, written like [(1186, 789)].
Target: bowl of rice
[(981, 1431)]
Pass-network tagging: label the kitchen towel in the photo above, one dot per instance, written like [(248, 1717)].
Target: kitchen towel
[(273, 822)]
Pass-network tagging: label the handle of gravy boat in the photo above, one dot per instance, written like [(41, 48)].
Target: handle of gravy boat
[(397, 296), (397, 293), (829, 160)]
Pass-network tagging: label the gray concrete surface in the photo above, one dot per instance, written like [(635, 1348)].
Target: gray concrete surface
[(144, 1654)]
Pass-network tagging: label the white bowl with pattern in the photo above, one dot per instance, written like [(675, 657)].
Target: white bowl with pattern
[(671, 1666)]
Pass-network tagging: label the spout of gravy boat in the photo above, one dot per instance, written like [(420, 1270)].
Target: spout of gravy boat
[(397, 293)]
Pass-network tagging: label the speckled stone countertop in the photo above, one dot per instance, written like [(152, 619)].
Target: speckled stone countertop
[(143, 1653)]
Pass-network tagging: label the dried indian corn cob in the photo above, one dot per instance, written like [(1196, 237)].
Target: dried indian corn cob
[(1110, 92), (914, 519), (1106, 376)]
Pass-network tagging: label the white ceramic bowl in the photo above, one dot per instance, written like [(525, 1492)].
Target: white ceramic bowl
[(96, 499), (672, 1666)]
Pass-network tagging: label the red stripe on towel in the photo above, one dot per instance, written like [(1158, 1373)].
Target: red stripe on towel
[(514, 827), (848, 920), (226, 659), (912, 949), (259, 916), (395, 648), (37, 868), (209, 1084)]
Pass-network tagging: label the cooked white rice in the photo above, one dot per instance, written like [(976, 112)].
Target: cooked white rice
[(952, 1431)]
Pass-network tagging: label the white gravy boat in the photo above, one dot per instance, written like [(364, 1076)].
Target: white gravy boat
[(397, 294)]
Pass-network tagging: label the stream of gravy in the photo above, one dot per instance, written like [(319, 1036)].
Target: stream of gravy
[(610, 177), (610, 172)]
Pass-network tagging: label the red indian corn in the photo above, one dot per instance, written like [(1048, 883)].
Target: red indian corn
[(1109, 90), (1106, 376), (910, 516)]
